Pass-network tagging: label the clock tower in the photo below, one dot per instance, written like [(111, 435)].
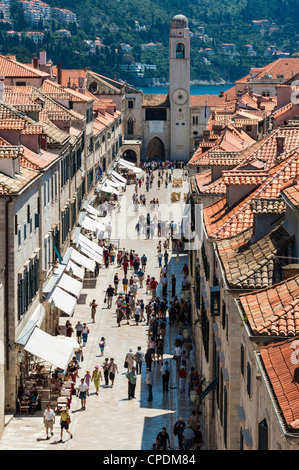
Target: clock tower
[(179, 88)]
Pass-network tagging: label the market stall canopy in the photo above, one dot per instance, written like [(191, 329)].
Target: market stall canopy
[(92, 225), (113, 183), (119, 183), (118, 176), (82, 260), (54, 279), (48, 348), (91, 254), (89, 243), (77, 270), (36, 319), (125, 163), (64, 301), (69, 284), (93, 211), (109, 189)]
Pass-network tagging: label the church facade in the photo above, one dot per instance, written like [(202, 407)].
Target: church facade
[(161, 126), (162, 122)]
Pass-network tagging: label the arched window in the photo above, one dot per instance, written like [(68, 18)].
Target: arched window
[(130, 126), (180, 51)]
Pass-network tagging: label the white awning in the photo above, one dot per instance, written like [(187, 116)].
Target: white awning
[(92, 225), (120, 183), (113, 183), (69, 340), (125, 163), (48, 348), (70, 284), (85, 241), (92, 210), (77, 270), (82, 260), (91, 254), (109, 189), (118, 176), (63, 301), (36, 319)]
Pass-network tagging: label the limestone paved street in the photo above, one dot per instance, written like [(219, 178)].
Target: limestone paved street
[(111, 421)]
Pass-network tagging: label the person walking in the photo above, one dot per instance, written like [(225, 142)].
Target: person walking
[(116, 282), (188, 437), (193, 420), (109, 294), (96, 378), (112, 371), (178, 430), (125, 283), (173, 285), (85, 333), (49, 420), (102, 345), (82, 392), (65, 421), (129, 359), (87, 380), (149, 382), (164, 438), (143, 262), (132, 379), (148, 358), (138, 360), (93, 306), (178, 356), (105, 367), (165, 376), (79, 328), (182, 378)]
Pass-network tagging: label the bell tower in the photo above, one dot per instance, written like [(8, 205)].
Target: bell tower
[(179, 88)]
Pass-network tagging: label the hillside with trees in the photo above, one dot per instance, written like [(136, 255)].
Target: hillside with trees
[(114, 24)]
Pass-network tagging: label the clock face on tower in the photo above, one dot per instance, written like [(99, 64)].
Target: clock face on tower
[(180, 96)]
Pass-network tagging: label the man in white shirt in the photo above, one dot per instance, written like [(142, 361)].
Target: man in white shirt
[(82, 391), (178, 354), (49, 420)]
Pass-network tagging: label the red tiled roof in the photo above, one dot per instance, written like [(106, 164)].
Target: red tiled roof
[(254, 265), (292, 194), (13, 69), (221, 221), (281, 365), (274, 310)]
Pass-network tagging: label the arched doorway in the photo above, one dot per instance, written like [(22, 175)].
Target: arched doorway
[(155, 150), (130, 155)]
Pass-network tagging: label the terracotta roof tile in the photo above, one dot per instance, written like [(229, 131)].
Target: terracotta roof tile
[(254, 265), (222, 221), (281, 365)]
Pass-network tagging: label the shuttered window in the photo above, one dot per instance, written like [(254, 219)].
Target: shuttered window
[(263, 435)]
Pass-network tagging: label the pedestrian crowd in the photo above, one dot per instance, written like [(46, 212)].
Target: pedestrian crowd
[(134, 296)]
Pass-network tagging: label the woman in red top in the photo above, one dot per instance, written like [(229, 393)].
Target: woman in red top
[(125, 266), (182, 378)]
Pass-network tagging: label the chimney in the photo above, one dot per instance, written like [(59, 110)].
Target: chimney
[(2, 87), (59, 73), (42, 58), (115, 78), (290, 270), (206, 135), (221, 94), (280, 145), (35, 62), (43, 142)]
